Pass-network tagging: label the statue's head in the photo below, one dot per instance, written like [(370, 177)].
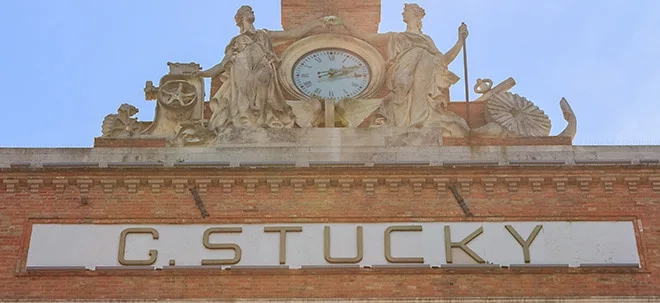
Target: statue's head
[(413, 13), (244, 12)]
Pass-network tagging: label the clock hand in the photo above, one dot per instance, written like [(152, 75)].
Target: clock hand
[(341, 76), (337, 72), (333, 74), (329, 73), (346, 70), (322, 79)]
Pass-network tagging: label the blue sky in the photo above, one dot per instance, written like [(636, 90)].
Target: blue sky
[(68, 63)]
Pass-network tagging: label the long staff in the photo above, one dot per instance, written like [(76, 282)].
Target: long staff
[(465, 77)]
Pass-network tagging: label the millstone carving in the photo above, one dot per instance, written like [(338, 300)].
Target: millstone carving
[(517, 115), (510, 115), (121, 125)]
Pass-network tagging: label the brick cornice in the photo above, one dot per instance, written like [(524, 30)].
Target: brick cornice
[(328, 181)]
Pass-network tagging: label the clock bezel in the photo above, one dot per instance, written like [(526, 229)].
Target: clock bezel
[(338, 49), (363, 50)]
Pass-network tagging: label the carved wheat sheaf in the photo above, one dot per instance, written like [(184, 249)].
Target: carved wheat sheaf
[(120, 124), (518, 115)]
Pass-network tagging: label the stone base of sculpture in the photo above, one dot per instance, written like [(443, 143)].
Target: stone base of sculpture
[(330, 137), (306, 138)]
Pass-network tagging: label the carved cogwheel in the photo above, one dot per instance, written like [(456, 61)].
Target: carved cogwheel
[(518, 115), (177, 94)]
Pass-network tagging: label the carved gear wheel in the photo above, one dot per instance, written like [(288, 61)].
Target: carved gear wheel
[(517, 115), (177, 94)]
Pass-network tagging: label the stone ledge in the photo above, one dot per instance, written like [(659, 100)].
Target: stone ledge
[(129, 142), (553, 140), (350, 137), (30, 159)]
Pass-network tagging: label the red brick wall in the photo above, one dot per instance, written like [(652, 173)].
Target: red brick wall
[(566, 193), (364, 14)]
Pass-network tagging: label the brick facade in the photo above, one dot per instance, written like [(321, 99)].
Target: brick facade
[(542, 183), (364, 14), (328, 194)]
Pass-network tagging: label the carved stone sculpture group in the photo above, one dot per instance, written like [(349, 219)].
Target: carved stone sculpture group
[(416, 89)]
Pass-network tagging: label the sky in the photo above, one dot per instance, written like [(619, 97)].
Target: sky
[(66, 64)]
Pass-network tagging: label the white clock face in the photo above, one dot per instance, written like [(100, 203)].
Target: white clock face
[(331, 74)]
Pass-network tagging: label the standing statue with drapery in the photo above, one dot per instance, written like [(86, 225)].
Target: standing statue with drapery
[(418, 77), (250, 94)]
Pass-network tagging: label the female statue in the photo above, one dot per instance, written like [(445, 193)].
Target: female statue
[(418, 76), (250, 94)]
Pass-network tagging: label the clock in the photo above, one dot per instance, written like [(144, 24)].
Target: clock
[(331, 66), (332, 73)]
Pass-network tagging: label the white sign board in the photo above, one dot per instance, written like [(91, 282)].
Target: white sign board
[(572, 243)]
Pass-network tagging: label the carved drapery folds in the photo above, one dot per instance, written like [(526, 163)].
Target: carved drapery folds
[(250, 95), (408, 87)]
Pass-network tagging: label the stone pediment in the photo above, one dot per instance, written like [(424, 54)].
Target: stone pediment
[(333, 83)]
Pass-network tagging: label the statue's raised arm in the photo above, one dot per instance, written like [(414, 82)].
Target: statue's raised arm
[(216, 69), (298, 32), (374, 38), (453, 52)]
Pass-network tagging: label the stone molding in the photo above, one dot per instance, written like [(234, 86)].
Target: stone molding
[(370, 185)]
